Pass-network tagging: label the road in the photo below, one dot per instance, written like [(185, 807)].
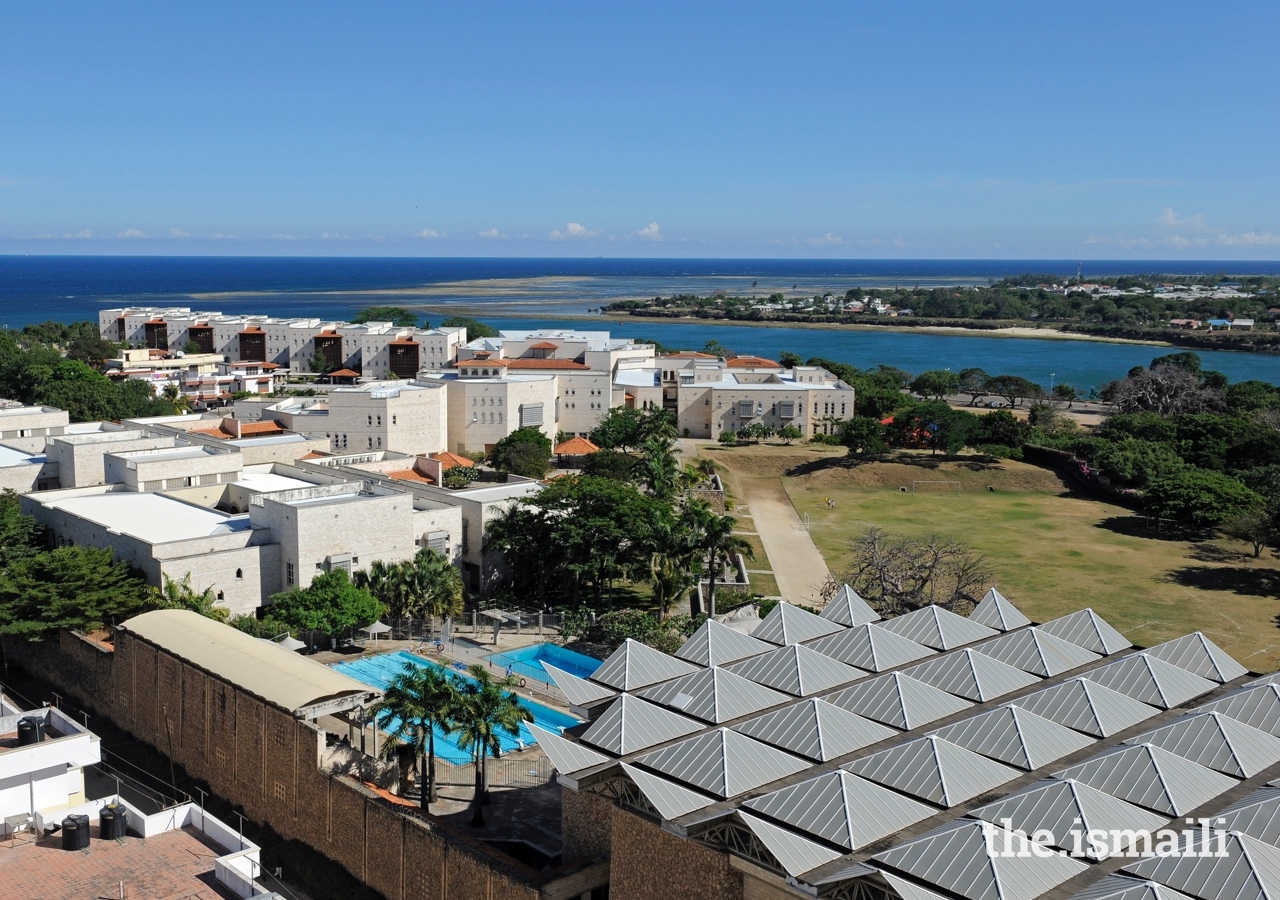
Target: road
[(797, 565)]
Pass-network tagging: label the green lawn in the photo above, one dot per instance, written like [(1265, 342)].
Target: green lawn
[(1052, 552)]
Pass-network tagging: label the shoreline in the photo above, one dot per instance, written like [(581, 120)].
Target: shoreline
[(1010, 331)]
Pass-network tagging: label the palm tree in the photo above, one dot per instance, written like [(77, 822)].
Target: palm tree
[(659, 467), (486, 709), (432, 586), (181, 595), (674, 563), (177, 401), (386, 582), (418, 702), (718, 544)]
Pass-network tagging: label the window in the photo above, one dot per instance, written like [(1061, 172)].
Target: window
[(371, 420), (371, 442), (379, 421), (288, 574), (379, 442), (239, 574), (393, 420)]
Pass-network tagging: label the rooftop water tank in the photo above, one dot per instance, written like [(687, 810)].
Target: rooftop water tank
[(30, 730), (113, 822), (75, 832)]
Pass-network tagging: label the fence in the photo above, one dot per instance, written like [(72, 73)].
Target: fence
[(474, 623), (505, 771)]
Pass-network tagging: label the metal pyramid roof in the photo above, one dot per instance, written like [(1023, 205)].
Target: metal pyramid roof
[(995, 611), (787, 624), (670, 799), (636, 665), (972, 675), (1257, 815), (957, 858), (567, 756), (1015, 736), (871, 647), (797, 670), (939, 628), (1126, 887), (1217, 742), (795, 854), (908, 890), (1086, 706), (1256, 704), (847, 608), (1037, 652), (816, 729), (1087, 629), (578, 691), (1250, 870), (1151, 777), (713, 695), (715, 644), (899, 700), (934, 770), (1068, 810), (723, 762), (1196, 653), (631, 724), (1150, 680), (834, 807)]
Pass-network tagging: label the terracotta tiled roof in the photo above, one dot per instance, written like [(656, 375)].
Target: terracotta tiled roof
[(403, 343), (250, 428), (544, 345), (578, 446), (478, 361), (211, 432), (410, 475), (344, 373), (452, 459), (566, 364), (252, 329), (753, 362), (315, 455)]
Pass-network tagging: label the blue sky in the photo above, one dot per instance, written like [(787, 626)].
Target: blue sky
[(907, 129)]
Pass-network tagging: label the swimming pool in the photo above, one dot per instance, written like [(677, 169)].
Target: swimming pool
[(378, 671), (527, 661)]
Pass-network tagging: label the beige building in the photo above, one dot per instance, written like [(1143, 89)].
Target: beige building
[(401, 416), (486, 405), (31, 421)]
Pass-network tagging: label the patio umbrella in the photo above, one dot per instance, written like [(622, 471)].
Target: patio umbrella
[(292, 643), (375, 629)]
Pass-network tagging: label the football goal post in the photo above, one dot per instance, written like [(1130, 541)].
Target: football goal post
[(935, 487)]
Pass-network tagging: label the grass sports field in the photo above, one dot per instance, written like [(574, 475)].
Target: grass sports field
[(1054, 550)]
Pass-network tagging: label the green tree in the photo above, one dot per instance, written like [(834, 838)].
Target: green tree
[(728, 439), (973, 382), (1064, 391), (396, 315), (675, 560), (20, 536), (475, 328), (486, 709), (525, 451), (1256, 526), (1000, 427), (935, 384), (1200, 498), (659, 468), (936, 425), (319, 363), (417, 704), (70, 587), (433, 586), (789, 360), (790, 433), (620, 429), (458, 477), (718, 544), (612, 464), (1013, 388), (330, 604), (865, 438), (191, 348)]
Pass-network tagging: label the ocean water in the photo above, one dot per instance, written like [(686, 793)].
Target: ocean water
[(510, 293)]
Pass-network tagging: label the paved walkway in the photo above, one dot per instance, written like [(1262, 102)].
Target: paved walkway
[(797, 565)]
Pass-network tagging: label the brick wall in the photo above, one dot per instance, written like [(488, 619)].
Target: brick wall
[(586, 825), (648, 864), (262, 759)]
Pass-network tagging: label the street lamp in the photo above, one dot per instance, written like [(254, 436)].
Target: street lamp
[(1051, 377)]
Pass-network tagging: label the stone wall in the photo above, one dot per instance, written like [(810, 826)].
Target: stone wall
[(586, 825), (264, 760), (650, 864)]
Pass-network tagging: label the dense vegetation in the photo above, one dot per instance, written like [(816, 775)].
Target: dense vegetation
[(60, 365), (1133, 303)]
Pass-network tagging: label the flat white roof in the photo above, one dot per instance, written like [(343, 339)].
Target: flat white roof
[(268, 439), (11, 457), (269, 481), (153, 518), (500, 491), (27, 410), (167, 453)]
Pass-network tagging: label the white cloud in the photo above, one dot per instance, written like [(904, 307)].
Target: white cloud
[(179, 233), (491, 234), (80, 235), (573, 230), (219, 236), (131, 233), (428, 233), (827, 240), (1170, 219), (650, 232), (1186, 233), (331, 236)]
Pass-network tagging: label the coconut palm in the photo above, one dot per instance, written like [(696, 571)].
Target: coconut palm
[(486, 709), (659, 468), (383, 580), (417, 702), (718, 544), (674, 564), (181, 595)]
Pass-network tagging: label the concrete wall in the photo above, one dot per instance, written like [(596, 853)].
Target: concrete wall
[(407, 419), (27, 477), (32, 421), (473, 401), (266, 762), (80, 458), (585, 398)]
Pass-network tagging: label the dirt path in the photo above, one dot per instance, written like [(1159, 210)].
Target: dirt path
[(797, 565)]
